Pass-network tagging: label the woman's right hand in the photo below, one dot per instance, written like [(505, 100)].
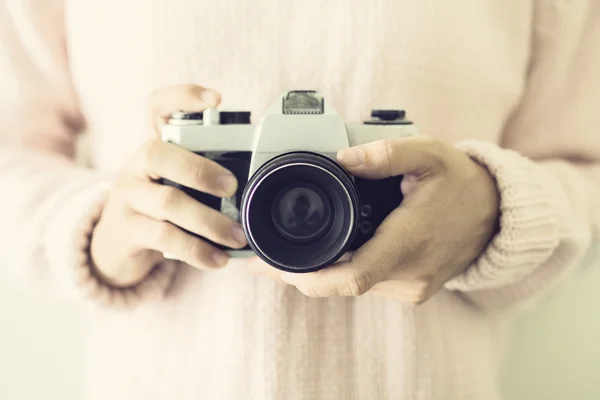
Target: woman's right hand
[(143, 219)]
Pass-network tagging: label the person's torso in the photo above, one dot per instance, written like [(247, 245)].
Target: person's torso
[(458, 70)]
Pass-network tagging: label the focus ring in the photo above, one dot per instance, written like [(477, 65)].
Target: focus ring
[(256, 208)]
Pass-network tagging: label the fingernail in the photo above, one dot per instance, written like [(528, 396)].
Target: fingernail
[(220, 258), (239, 236), (351, 157), (227, 183)]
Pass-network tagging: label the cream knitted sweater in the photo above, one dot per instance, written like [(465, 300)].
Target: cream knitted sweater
[(516, 82)]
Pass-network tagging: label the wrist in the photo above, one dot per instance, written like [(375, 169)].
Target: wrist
[(527, 231)]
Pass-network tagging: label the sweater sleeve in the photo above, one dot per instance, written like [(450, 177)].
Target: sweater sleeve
[(547, 167), (49, 203)]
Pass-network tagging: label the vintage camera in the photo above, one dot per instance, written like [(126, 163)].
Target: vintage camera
[(300, 210)]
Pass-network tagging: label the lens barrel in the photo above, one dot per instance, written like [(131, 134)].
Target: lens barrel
[(300, 211)]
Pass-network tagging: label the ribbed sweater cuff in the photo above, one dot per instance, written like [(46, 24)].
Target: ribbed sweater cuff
[(529, 220), (67, 247)]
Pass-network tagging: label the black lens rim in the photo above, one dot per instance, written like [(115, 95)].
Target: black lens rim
[(256, 221)]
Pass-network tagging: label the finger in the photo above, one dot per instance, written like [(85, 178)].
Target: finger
[(416, 155), (414, 292), (188, 97), (340, 279), (165, 237), (403, 284), (369, 265), (398, 241), (158, 159), (258, 266), (167, 203)]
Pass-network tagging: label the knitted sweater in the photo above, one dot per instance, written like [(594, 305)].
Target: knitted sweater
[(516, 84)]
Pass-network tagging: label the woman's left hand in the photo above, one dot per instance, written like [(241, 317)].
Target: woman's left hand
[(447, 218)]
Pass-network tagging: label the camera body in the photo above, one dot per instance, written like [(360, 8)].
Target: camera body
[(300, 210)]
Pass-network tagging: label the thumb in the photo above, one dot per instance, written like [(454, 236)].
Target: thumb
[(415, 155)]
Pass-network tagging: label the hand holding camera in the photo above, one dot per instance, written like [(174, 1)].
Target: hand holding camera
[(405, 244), (143, 219), (448, 216)]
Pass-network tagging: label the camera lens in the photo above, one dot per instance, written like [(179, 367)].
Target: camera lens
[(300, 211)]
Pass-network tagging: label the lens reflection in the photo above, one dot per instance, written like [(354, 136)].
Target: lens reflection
[(302, 213)]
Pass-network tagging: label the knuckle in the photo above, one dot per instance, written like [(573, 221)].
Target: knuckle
[(436, 151), (387, 146), (187, 90), (196, 250), (198, 170), (359, 283), (191, 91), (193, 248), (422, 238), (427, 239), (163, 233), (168, 198), (387, 151)]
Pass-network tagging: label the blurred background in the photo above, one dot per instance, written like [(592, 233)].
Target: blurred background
[(555, 353)]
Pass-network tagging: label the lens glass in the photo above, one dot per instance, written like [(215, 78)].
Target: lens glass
[(301, 213)]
